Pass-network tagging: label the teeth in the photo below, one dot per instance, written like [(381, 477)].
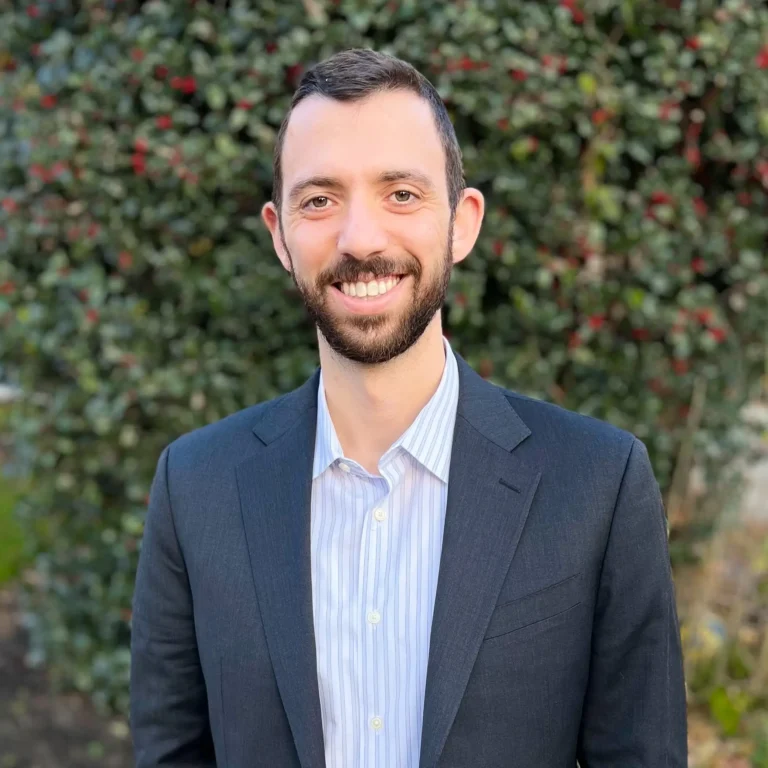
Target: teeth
[(371, 288)]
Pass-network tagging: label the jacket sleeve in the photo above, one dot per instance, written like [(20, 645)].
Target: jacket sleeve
[(168, 702), (634, 712)]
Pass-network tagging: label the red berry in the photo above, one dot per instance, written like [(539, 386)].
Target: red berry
[(596, 322), (700, 207), (164, 122), (693, 43), (294, 72), (761, 60), (48, 101), (666, 108), (718, 334), (574, 340), (661, 198)]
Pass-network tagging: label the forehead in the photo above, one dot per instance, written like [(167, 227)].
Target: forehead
[(385, 131)]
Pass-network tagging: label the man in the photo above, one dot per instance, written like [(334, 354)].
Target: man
[(399, 563)]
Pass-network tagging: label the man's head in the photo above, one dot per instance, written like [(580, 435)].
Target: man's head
[(369, 188)]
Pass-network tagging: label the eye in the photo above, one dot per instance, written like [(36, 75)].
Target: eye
[(404, 192), (321, 199)]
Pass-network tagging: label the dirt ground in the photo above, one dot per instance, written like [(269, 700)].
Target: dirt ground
[(38, 730)]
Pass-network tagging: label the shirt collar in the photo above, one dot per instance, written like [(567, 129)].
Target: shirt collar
[(429, 439)]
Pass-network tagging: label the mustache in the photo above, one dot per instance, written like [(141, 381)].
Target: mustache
[(351, 270)]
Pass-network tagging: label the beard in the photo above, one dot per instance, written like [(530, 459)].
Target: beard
[(374, 339)]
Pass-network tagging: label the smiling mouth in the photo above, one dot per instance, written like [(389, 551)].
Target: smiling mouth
[(370, 288)]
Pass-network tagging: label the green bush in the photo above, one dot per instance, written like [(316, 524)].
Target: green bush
[(621, 146), (11, 542)]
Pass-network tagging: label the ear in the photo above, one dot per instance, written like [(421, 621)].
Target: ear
[(466, 226), (271, 218)]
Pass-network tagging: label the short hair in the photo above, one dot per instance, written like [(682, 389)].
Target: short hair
[(354, 74)]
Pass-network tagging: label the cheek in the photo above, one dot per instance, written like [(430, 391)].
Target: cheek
[(312, 246), (425, 239)]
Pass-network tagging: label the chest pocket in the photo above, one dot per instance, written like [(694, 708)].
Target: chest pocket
[(536, 607)]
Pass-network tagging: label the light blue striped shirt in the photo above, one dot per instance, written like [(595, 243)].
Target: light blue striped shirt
[(376, 543)]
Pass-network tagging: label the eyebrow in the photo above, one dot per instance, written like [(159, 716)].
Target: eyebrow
[(386, 177)]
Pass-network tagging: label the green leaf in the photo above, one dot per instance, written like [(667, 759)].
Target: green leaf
[(587, 84), (727, 709), (226, 146), (215, 96)]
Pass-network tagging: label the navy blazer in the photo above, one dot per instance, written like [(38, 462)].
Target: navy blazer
[(555, 635)]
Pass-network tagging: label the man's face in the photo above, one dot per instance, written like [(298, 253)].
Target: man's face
[(367, 231)]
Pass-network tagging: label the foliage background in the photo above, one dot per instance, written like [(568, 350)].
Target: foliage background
[(623, 150)]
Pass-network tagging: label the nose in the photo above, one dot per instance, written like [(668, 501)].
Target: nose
[(362, 231)]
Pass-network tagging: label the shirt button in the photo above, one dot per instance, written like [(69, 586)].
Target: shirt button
[(377, 723), (379, 514), (374, 617), (344, 467)]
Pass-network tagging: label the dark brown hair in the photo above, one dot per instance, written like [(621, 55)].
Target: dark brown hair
[(352, 75)]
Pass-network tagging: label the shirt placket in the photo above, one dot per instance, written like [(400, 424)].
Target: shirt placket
[(377, 717)]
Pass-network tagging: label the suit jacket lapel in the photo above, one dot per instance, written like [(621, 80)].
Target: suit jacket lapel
[(275, 489), (489, 495)]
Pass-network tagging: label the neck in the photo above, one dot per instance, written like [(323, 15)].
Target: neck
[(372, 406)]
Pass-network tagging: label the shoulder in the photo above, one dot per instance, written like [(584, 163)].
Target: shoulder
[(221, 443), (571, 433)]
